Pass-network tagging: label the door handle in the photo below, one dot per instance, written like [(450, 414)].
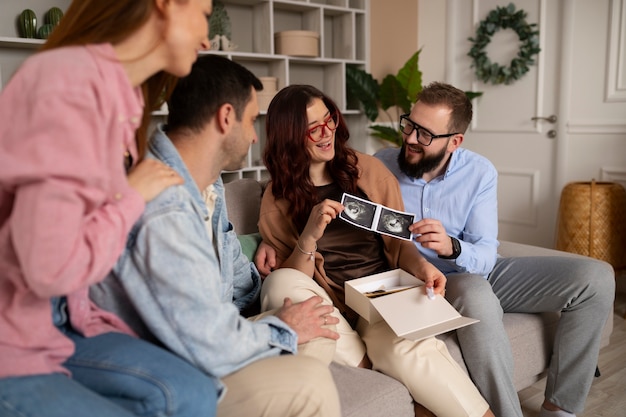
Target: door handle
[(549, 119)]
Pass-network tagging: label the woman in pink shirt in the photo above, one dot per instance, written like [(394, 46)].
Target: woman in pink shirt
[(73, 123)]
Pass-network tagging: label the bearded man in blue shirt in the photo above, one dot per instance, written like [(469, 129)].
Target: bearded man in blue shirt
[(454, 190)]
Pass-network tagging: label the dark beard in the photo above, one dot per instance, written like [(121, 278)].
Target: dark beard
[(427, 164)]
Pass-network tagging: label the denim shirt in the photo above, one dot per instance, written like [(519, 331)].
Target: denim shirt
[(189, 291), (464, 200)]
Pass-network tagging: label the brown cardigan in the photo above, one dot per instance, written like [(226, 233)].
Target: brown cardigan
[(277, 228)]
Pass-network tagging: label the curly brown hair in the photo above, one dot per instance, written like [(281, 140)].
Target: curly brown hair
[(286, 156)]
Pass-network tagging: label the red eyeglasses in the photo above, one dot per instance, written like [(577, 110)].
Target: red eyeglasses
[(318, 132)]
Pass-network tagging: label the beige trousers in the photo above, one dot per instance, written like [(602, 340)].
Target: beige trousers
[(426, 368), (285, 385), (286, 282)]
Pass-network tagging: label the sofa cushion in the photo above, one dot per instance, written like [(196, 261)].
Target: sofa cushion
[(249, 243), (244, 216), (367, 393)]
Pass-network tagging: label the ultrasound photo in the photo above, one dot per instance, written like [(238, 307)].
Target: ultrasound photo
[(376, 217), (358, 211), (395, 223)]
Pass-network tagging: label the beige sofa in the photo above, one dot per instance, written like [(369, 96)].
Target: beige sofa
[(367, 393)]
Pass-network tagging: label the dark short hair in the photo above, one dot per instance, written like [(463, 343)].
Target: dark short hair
[(438, 93), (213, 81)]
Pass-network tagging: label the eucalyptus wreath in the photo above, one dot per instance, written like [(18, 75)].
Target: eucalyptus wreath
[(504, 18)]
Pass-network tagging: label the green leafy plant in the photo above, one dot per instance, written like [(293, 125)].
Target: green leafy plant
[(219, 22), (397, 92)]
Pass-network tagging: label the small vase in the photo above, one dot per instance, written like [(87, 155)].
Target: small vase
[(27, 24)]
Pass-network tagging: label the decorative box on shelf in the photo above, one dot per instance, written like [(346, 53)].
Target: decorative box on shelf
[(298, 43), (270, 88)]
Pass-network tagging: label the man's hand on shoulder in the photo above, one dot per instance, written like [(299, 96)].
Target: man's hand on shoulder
[(308, 318)]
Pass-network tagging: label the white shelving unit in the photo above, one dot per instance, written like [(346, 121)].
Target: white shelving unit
[(13, 49), (344, 40), (20, 43), (342, 25)]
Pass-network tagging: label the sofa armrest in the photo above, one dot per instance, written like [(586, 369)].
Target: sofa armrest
[(508, 249)]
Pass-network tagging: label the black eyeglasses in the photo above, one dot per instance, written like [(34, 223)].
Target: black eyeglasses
[(424, 136)]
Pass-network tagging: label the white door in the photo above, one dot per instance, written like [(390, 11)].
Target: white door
[(522, 149)]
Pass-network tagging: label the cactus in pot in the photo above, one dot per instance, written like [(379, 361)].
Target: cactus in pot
[(53, 16), (27, 24)]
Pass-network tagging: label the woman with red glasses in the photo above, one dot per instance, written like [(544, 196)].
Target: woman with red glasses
[(311, 166)]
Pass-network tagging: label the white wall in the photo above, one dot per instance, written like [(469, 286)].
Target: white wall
[(597, 104), (596, 122), (592, 101)]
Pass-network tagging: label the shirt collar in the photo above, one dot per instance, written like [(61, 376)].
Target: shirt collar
[(453, 165), (455, 162), (131, 104), (450, 166), (129, 99), (161, 147)]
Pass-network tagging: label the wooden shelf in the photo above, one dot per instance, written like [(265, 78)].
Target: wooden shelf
[(342, 28), (20, 43), (342, 25)]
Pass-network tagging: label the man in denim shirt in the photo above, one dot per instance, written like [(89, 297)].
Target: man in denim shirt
[(453, 191), (183, 279)]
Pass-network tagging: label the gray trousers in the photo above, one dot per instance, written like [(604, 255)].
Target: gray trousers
[(582, 289)]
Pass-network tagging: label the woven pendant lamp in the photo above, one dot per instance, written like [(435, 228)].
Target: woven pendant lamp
[(592, 221)]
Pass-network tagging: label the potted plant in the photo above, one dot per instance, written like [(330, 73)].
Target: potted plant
[(397, 91), (220, 33)]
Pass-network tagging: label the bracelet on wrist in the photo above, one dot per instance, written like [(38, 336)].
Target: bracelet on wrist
[(311, 254)]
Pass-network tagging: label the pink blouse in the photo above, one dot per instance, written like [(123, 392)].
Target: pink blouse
[(66, 118)]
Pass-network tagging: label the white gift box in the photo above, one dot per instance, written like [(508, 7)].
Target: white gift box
[(404, 306)]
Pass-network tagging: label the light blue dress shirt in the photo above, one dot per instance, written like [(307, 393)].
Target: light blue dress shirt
[(464, 200)]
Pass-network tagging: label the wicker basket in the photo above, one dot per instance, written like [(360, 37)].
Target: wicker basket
[(592, 221)]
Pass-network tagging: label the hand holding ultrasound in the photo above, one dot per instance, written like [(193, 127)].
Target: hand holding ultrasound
[(376, 217)]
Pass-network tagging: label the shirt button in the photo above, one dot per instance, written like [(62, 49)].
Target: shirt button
[(426, 210), (121, 118), (134, 119), (118, 196)]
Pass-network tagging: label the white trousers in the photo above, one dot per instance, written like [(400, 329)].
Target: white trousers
[(426, 368)]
